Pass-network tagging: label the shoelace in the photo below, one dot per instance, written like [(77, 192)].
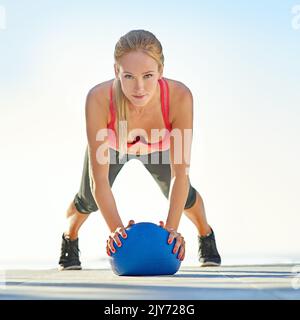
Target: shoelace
[(70, 249), (207, 246)]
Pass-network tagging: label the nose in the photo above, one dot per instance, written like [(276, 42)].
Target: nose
[(139, 86)]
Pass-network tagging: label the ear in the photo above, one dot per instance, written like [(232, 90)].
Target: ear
[(161, 73), (116, 70)]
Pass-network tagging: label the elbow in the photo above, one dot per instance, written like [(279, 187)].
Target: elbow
[(183, 173), (98, 184), (181, 178)]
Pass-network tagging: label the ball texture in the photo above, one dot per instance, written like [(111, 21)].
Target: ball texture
[(145, 252)]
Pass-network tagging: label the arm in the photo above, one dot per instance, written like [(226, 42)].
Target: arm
[(180, 151), (96, 126)]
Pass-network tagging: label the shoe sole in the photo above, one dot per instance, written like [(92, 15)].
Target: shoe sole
[(210, 264), (62, 268)]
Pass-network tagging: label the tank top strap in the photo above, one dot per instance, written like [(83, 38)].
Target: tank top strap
[(165, 102), (111, 109)]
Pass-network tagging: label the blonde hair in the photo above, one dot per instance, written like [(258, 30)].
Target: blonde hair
[(134, 40)]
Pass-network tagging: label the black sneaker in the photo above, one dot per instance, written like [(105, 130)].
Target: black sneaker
[(69, 259), (207, 253)]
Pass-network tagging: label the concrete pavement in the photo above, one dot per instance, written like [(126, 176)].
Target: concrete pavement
[(259, 282)]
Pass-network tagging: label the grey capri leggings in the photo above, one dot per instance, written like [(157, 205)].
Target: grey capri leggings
[(161, 173)]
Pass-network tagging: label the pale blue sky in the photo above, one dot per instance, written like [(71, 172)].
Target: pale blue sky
[(261, 28), (241, 61)]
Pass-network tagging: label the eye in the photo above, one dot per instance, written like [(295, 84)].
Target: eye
[(147, 76)]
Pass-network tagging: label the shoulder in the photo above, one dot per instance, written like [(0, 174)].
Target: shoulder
[(100, 91), (99, 96), (177, 88), (181, 98)]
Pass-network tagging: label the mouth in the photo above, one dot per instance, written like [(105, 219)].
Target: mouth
[(139, 97)]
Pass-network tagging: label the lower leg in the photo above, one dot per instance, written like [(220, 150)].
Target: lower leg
[(75, 221), (197, 215)]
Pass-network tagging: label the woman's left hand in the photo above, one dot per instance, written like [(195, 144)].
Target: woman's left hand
[(180, 243)]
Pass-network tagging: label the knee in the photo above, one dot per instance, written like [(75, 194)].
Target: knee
[(83, 207), (191, 199)]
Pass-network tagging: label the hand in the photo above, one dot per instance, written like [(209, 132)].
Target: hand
[(180, 243), (114, 238)]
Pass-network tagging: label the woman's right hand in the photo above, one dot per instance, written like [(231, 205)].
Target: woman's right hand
[(114, 237)]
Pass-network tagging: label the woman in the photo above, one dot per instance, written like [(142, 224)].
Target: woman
[(138, 115)]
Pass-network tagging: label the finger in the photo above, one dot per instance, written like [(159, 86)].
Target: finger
[(177, 245), (161, 224), (117, 240), (108, 252), (183, 249), (172, 236), (182, 258), (108, 247), (123, 234), (130, 223), (111, 245), (181, 252), (170, 239), (118, 231)]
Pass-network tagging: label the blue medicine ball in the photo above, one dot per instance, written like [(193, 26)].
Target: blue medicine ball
[(145, 252)]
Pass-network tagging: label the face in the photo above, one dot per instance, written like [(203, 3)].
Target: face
[(138, 74)]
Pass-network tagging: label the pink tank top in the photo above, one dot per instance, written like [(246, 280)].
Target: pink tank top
[(163, 144)]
